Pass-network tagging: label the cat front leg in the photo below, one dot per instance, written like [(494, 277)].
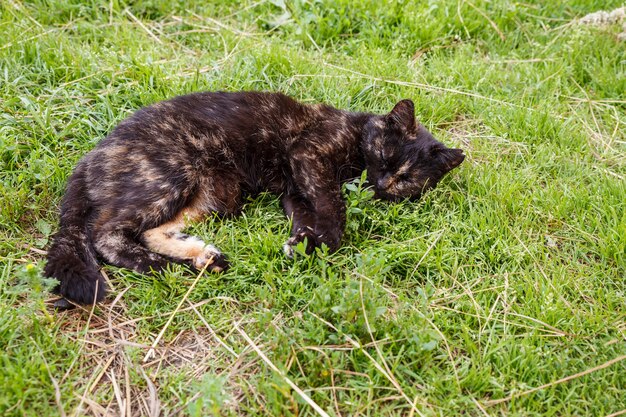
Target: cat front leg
[(315, 178), (330, 212), (302, 224), (318, 223)]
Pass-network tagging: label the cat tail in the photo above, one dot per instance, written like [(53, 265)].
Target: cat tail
[(72, 258)]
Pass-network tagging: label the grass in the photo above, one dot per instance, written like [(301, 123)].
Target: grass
[(502, 292)]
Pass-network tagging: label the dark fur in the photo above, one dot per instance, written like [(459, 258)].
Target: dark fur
[(207, 151)]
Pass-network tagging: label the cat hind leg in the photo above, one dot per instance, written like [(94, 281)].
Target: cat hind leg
[(168, 239), (117, 245)]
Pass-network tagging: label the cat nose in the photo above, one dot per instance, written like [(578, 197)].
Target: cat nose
[(384, 182)]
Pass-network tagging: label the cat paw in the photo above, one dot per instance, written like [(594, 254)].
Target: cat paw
[(288, 247), (216, 260), (300, 236), (62, 304)]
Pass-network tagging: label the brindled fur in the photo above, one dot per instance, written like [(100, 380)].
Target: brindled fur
[(179, 160)]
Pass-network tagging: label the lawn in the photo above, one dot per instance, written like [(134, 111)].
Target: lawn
[(501, 292)]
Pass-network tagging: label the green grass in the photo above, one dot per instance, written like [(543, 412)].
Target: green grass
[(510, 276)]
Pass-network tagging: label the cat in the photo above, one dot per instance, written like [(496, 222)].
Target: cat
[(177, 161)]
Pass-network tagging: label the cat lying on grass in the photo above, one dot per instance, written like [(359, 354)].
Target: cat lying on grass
[(180, 160)]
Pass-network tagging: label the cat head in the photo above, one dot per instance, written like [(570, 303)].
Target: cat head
[(402, 158)]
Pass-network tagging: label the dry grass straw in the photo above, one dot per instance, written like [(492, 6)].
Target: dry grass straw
[(559, 381), (117, 383)]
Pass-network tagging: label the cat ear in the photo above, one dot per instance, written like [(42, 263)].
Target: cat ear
[(450, 157), (402, 116)]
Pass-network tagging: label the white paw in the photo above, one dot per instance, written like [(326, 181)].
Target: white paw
[(207, 257), (292, 242), (288, 247)]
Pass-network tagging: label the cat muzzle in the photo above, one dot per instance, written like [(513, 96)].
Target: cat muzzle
[(385, 182)]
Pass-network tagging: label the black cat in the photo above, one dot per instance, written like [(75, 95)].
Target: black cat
[(180, 160)]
